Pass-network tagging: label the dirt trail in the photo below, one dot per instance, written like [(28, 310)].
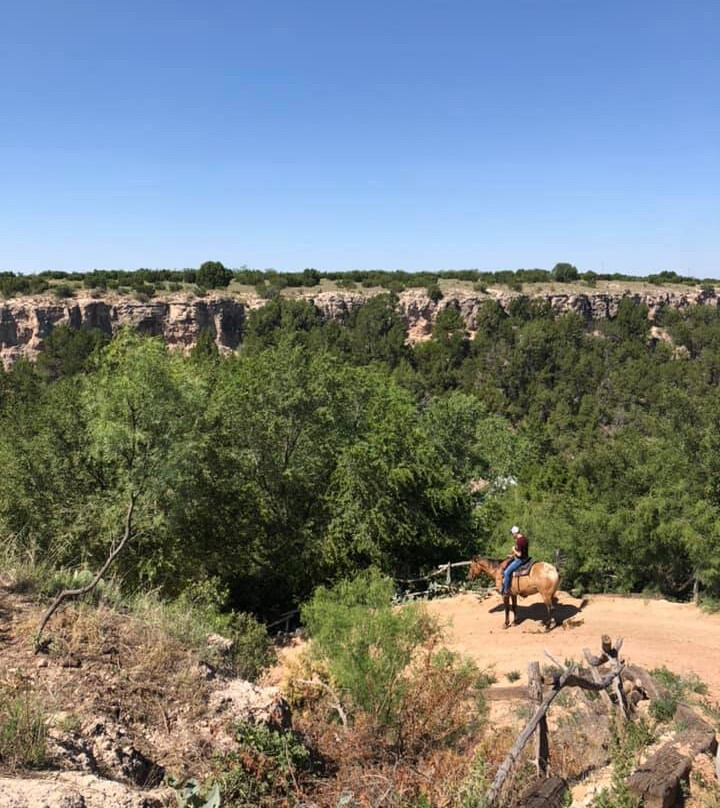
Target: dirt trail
[(656, 633)]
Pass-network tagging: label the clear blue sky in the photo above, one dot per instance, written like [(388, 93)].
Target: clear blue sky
[(339, 134)]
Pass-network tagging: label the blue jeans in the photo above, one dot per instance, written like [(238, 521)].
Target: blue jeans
[(511, 567)]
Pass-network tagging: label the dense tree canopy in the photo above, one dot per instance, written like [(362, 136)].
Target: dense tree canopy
[(321, 448)]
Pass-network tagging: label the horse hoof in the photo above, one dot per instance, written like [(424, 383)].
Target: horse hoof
[(507, 625)]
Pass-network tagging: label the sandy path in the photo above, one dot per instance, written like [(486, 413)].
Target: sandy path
[(656, 633)]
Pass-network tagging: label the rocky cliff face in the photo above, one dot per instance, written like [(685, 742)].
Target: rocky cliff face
[(26, 322)]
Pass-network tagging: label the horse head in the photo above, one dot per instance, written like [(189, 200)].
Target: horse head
[(481, 566)]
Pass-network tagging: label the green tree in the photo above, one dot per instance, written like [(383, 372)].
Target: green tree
[(212, 275), (564, 273), (378, 331), (69, 350)]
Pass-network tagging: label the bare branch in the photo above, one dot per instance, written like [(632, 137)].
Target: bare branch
[(71, 594), (336, 701)]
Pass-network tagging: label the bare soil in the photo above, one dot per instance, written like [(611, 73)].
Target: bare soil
[(679, 636)]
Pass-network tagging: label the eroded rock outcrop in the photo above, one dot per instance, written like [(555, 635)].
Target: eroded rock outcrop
[(26, 322)]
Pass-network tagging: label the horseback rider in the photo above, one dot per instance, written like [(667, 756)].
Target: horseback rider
[(520, 556)]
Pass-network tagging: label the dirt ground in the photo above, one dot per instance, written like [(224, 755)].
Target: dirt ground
[(656, 632)]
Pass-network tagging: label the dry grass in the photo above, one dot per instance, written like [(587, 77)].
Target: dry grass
[(104, 663)]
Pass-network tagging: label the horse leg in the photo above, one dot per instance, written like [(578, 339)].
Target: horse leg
[(506, 602), (514, 609), (550, 619)]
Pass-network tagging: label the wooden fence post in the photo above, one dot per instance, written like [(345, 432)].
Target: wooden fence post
[(542, 751)]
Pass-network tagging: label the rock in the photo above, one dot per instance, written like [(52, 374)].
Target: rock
[(70, 751), (25, 322), (114, 752), (244, 701), (77, 790), (222, 645), (73, 800)]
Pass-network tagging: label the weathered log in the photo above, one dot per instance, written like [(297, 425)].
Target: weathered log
[(657, 781), (641, 675), (569, 675), (594, 662), (547, 792), (535, 692), (504, 770)]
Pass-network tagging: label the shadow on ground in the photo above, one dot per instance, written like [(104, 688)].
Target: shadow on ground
[(538, 612)]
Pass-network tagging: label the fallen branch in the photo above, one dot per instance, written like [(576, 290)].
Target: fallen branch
[(336, 701), (72, 594)]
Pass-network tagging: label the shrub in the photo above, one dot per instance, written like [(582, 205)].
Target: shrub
[(23, 728), (63, 290), (212, 274), (394, 287), (366, 644), (143, 291), (388, 665), (264, 773), (190, 794), (434, 292), (663, 708), (626, 744), (565, 273), (198, 613)]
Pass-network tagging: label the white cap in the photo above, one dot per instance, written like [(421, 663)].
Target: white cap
[(514, 529)]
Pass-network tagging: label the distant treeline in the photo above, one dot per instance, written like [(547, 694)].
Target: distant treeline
[(268, 282)]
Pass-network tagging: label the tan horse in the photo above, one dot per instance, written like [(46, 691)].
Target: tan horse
[(543, 579)]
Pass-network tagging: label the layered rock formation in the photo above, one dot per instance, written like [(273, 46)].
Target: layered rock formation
[(26, 322)]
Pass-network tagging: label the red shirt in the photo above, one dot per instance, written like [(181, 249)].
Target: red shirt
[(521, 544)]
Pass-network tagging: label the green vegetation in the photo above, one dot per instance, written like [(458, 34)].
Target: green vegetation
[(626, 744), (23, 727), (322, 448), (673, 689), (365, 643), (269, 282)]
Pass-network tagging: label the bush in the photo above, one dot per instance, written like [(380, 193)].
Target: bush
[(143, 291), (23, 728), (366, 643), (663, 708), (434, 292), (196, 614), (265, 772), (63, 290), (565, 273), (387, 664), (213, 275)]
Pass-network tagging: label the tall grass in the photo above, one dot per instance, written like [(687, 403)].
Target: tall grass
[(23, 728)]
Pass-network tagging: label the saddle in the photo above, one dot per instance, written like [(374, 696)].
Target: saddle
[(524, 570)]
